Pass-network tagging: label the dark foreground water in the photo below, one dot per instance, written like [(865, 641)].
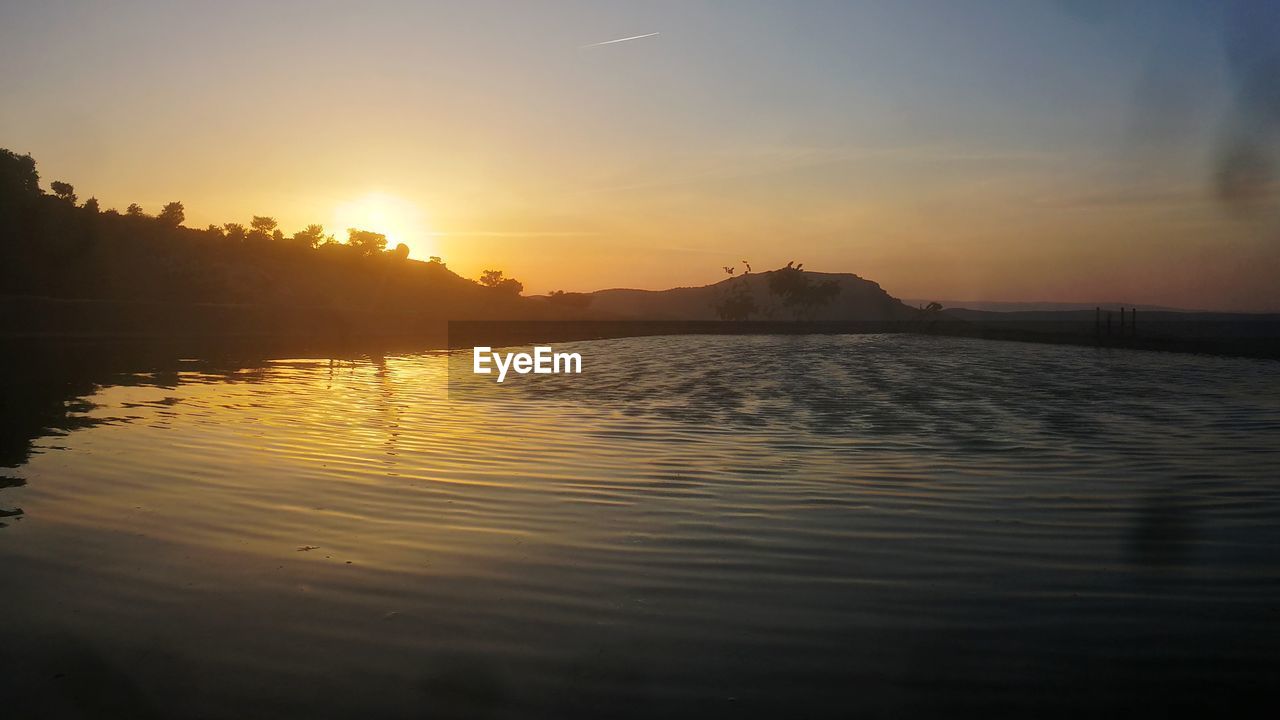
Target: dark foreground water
[(697, 526)]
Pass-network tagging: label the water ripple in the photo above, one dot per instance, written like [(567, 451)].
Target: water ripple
[(760, 525)]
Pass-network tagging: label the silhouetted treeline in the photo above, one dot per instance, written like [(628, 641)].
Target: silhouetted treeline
[(51, 245)]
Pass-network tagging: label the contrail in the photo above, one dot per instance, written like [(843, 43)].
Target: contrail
[(610, 42)]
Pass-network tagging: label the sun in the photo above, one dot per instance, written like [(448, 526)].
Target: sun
[(401, 220)]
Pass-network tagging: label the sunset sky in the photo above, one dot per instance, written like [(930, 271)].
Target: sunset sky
[(1016, 150)]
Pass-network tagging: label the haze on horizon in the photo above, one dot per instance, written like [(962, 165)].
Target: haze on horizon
[(1048, 150)]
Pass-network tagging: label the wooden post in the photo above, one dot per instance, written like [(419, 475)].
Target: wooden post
[(1097, 321), (1122, 323), (1133, 322), (1108, 323)]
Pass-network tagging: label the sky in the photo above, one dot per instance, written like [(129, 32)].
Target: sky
[(1033, 150)]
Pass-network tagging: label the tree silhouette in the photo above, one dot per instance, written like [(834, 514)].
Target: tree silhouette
[(63, 191), (263, 229), (310, 237), (53, 248), (18, 176), (570, 299), (172, 214), (366, 242), (798, 293), (495, 280), (263, 224), (236, 232), (736, 302), (737, 305)]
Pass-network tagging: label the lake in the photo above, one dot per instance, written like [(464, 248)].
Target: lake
[(772, 526)]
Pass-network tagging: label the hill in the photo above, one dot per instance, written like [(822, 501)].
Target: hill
[(782, 294), (72, 267)]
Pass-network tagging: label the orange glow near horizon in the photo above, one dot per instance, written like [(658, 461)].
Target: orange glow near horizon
[(868, 139), (401, 220)]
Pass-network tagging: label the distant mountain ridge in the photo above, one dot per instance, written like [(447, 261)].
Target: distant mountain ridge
[(1041, 306), (856, 299)]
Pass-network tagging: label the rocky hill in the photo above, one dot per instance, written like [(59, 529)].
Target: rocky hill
[(783, 294)]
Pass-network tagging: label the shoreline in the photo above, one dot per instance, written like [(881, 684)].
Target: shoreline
[(441, 335)]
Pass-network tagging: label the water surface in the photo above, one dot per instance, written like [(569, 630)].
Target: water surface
[(696, 526)]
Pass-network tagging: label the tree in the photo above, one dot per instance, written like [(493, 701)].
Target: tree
[(262, 229), (495, 280), (736, 301), (64, 191), (569, 299), (18, 174), (436, 260), (172, 214), (310, 237), (797, 293), (52, 246), (236, 232), (263, 224), (737, 306), (366, 242)]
